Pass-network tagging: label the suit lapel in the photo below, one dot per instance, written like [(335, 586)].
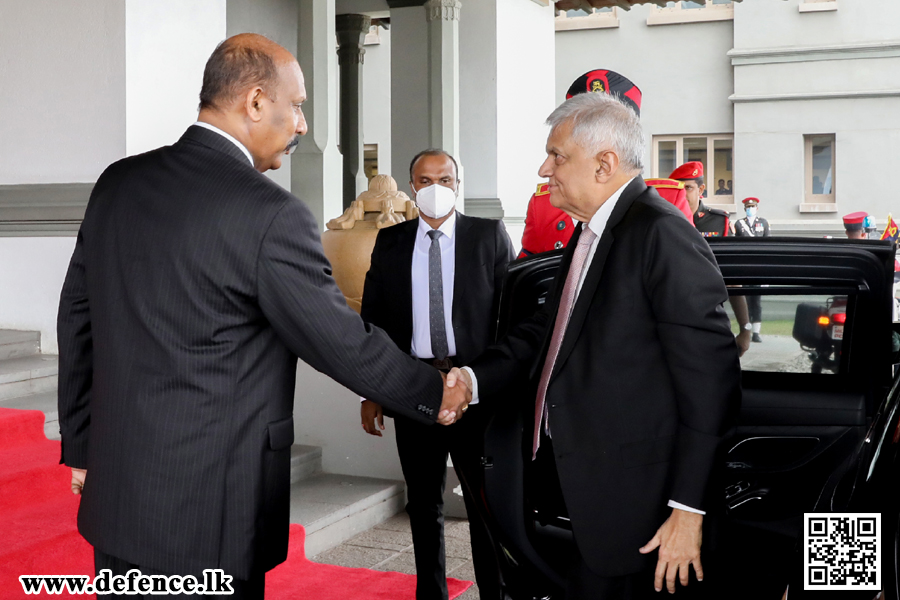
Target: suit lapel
[(462, 265), (595, 271), (403, 255)]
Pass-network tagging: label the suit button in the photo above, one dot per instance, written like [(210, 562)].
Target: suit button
[(561, 225), (558, 245)]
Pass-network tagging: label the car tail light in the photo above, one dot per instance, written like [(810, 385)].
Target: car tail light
[(823, 320), (839, 318)]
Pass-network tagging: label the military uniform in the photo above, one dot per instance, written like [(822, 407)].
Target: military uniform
[(758, 227), (546, 227), (711, 222)]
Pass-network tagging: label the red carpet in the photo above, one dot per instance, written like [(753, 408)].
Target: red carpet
[(38, 535)]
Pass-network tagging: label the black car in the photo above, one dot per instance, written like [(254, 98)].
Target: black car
[(816, 434)]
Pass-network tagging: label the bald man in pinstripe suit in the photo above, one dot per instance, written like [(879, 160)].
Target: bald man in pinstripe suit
[(195, 284)]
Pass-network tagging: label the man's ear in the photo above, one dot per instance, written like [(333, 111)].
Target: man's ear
[(607, 166), (253, 104)]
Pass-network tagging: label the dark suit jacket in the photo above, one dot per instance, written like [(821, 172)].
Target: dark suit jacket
[(195, 284), (483, 251), (645, 381)]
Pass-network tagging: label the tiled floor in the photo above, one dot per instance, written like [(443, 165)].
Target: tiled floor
[(388, 547)]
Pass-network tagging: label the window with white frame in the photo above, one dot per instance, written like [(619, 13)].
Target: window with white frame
[(817, 5), (595, 18), (687, 11), (716, 152), (819, 159)]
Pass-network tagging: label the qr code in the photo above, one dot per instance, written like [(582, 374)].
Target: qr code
[(843, 551)]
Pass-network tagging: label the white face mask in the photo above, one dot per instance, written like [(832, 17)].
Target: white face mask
[(436, 201), (751, 211)]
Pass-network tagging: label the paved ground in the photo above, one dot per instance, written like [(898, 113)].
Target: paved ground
[(388, 547)]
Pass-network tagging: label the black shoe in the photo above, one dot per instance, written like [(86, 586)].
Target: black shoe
[(756, 337)]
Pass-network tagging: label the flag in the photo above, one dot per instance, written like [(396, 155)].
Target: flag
[(890, 230)]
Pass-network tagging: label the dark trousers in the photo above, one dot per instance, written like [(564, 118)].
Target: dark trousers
[(253, 589), (754, 307), (423, 451), (545, 495)]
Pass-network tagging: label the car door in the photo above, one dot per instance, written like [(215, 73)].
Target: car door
[(811, 391)]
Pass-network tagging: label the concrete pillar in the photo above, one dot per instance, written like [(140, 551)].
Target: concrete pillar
[(443, 65), (316, 164), (351, 32), (424, 82)]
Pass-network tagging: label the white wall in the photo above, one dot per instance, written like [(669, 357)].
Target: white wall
[(655, 58), (167, 45), (32, 271), (62, 72), (525, 61), (377, 102), (779, 23)]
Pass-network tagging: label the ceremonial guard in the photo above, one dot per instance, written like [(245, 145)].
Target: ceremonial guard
[(547, 227), (710, 222), (854, 225), (753, 226)]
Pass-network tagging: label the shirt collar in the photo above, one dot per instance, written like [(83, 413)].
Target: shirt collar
[(601, 217), (448, 227), (228, 137)]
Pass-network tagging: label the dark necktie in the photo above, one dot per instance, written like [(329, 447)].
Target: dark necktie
[(436, 298)]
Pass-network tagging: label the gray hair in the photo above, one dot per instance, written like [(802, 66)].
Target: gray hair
[(602, 122)]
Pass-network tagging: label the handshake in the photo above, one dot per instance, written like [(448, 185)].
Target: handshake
[(457, 396)]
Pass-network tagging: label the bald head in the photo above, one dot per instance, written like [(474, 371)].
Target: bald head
[(253, 90), (241, 62)]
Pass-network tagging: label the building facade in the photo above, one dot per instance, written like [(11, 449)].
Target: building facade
[(791, 101)]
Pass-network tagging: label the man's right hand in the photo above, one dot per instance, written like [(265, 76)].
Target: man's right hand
[(457, 395), (370, 413), (78, 476)]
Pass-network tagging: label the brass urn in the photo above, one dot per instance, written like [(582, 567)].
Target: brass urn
[(350, 238)]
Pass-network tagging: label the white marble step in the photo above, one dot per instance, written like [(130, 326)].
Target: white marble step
[(27, 375), (16, 344), (334, 508)]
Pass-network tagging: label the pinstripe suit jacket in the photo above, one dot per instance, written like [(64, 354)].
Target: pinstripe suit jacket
[(195, 284)]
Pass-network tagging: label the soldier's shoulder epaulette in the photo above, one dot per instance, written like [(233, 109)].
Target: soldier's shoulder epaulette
[(665, 183), (542, 189), (718, 211)]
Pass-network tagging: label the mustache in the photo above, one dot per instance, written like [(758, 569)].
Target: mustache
[(295, 141)]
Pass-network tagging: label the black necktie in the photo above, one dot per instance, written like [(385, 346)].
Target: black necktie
[(436, 298)]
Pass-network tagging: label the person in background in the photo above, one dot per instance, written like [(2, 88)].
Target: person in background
[(712, 222), (753, 226), (433, 287), (547, 227), (854, 225), (722, 190)]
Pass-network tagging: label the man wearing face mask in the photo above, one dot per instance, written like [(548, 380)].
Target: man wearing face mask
[(753, 226), (432, 286)]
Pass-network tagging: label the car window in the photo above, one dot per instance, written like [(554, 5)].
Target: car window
[(794, 332)]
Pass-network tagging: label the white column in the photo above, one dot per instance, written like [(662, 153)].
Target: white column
[(443, 66), (316, 164)]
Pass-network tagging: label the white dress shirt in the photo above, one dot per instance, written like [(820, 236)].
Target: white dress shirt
[(228, 137), (421, 337), (598, 225), (421, 298)]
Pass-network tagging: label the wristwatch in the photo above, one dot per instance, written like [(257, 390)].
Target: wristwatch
[(747, 326)]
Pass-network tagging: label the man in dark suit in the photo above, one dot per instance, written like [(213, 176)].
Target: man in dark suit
[(195, 284), (623, 409), (437, 300)]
